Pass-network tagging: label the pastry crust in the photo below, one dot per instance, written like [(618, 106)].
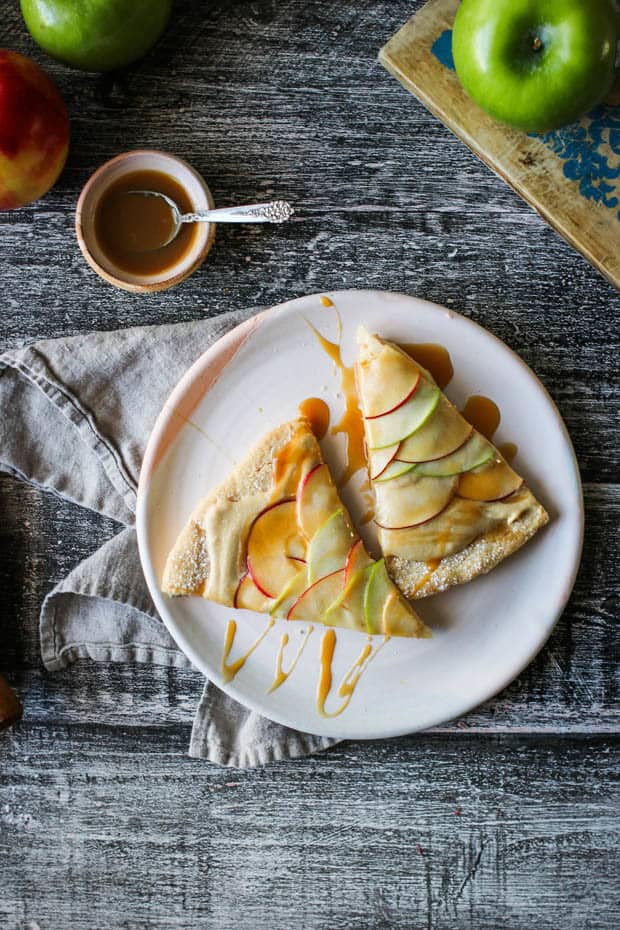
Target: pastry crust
[(187, 567), (417, 579)]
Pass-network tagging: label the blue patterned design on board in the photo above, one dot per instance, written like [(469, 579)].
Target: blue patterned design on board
[(580, 146)]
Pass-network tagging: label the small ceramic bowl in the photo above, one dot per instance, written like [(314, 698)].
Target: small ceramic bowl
[(143, 160)]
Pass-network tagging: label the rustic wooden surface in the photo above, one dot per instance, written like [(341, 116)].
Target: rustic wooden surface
[(505, 819)]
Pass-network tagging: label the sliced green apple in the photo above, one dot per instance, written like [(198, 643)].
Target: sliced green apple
[(400, 620), (387, 381), (248, 596), (357, 558), (403, 422), (291, 593), (329, 547), (316, 498), (379, 459), (348, 608), (315, 600), (395, 470), (476, 451), (443, 433), (492, 482), (411, 500), (378, 589), (269, 566)]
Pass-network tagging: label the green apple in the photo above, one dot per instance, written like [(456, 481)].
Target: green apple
[(96, 35), (536, 64)]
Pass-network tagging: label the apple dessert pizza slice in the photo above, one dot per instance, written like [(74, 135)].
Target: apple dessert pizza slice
[(448, 507), (276, 538)]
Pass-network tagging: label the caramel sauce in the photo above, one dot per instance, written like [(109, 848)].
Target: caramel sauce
[(228, 671), (483, 414), (130, 230), (327, 302), (496, 481), (316, 413), (351, 678), (281, 675), (351, 424), (431, 567), (434, 357), (508, 450), (288, 465)]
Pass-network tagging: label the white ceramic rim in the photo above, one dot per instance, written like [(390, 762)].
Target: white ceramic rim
[(197, 381)]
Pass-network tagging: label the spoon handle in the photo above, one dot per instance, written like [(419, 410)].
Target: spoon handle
[(275, 212)]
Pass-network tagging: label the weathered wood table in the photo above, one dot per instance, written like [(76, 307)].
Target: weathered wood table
[(503, 819)]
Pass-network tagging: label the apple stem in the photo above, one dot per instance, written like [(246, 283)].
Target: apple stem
[(537, 43)]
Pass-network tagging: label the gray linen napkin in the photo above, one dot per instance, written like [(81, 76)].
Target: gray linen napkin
[(76, 414)]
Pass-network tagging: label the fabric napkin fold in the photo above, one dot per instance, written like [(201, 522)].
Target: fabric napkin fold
[(76, 416)]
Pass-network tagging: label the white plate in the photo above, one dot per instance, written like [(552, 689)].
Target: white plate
[(485, 632)]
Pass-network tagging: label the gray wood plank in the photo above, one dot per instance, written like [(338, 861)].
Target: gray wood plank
[(571, 687), (118, 827)]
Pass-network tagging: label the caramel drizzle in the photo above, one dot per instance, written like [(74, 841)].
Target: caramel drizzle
[(228, 672), (351, 678), (431, 567), (281, 675)]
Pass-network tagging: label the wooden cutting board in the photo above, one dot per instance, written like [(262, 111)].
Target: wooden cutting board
[(571, 176)]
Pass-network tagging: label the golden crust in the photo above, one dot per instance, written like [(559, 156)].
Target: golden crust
[(416, 579), (187, 566)]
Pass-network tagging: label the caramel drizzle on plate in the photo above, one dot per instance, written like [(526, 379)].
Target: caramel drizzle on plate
[(280, 675), (228, 671), (351, 678)]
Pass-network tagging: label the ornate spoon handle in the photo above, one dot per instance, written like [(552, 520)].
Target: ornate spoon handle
[(275, 212)]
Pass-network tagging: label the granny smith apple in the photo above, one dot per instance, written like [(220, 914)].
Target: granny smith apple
[(536, 64), (96, 35)]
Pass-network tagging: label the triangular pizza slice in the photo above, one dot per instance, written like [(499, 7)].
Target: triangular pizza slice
[(276, 538), (448, 507)]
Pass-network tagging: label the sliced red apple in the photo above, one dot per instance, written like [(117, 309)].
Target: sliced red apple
[(248, 597), (329, 547), (395, 470), (475, 452), (442, 434), (403, 422), (492, 482), (399, 619), (387, 380), (356, 559), (316, 498), (411, 500), (315, 600), (379, 459), (270, 534)]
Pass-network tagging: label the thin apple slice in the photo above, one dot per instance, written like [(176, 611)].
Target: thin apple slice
[(248, 597), (395, 470), (443, 433), (348, 608), (291, 593), (472, 454), (269, 539), (387, 380), (379, 459), (315, 600), (378, 589), (454, 529), (403, 422), (399, 619), (492, 482), (329, 547), (411, 500), (357, 558), (316, 497)]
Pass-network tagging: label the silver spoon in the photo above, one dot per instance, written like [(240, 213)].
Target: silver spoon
[(277, 211)]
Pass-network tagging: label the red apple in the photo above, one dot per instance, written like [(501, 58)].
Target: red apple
[(34, 131)]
